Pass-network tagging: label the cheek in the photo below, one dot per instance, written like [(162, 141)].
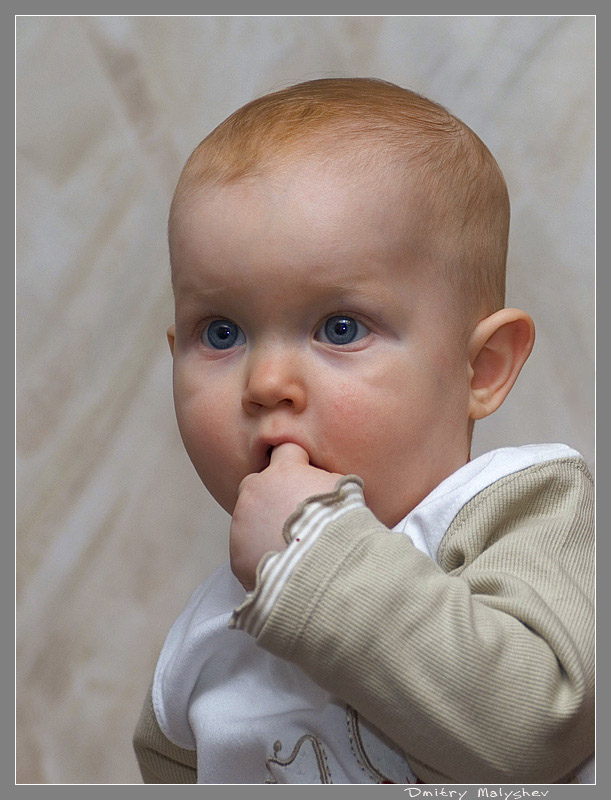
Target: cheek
[(359, 408), (349, 405), (203, 410), (207, 419), (360, 418), (374, 420)]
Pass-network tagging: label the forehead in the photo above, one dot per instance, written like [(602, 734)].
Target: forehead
[(306, 216)]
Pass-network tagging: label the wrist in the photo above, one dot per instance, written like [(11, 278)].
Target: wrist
[(300, 532)]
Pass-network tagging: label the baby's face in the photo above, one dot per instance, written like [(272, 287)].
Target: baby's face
[(306, 312)]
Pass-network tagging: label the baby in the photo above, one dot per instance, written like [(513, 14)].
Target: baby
[(338, 259)]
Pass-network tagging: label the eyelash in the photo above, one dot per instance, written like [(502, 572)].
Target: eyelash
[(360, 325)]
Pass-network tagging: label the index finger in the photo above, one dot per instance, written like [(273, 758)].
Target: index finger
[(291, 452)]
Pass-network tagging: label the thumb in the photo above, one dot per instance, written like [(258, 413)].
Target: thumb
[(289, 451)]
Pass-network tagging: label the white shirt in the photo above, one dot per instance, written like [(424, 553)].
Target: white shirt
[(255, 718)]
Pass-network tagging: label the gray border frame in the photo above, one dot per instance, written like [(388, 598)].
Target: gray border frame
[(512, 792)]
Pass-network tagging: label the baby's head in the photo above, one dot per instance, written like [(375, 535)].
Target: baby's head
[(338, 261)]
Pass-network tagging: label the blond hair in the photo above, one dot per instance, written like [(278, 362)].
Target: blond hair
[(368, 119)]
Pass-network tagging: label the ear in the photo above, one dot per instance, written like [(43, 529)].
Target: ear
[(171, 334), (498, 349)]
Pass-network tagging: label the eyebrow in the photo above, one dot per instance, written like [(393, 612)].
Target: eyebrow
[(354, 286)]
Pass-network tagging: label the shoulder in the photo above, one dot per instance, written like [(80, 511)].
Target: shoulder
[(546, 504)]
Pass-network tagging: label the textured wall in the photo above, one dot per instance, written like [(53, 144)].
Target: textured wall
[(114, 529)]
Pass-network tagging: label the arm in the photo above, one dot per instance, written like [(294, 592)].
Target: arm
[(159, 760), (480, 667)]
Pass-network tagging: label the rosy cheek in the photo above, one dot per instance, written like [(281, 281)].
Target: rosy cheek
[(206, 426), (352, 421), (199, 412), (348, 404), (364, 403)]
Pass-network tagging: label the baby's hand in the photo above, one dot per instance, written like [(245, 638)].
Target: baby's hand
[(265, 501)]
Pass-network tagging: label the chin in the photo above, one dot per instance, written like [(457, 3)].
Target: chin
[(390, 514), (228, 506), (225, 500)]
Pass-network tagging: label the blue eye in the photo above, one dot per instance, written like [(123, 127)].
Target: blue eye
[(221, 334), (342, 330)]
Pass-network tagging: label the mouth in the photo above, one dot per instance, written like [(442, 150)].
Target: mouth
[(266, 449), (264, 456)]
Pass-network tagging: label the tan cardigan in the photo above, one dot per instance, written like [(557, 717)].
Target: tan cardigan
[(498, 635)]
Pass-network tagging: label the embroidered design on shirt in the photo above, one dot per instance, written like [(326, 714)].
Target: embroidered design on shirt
[(306, 764), (376, 754)]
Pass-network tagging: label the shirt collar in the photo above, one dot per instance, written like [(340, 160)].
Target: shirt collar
[(427, 523)]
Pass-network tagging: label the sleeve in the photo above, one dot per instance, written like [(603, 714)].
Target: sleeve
[(480, 667), (160, 760)]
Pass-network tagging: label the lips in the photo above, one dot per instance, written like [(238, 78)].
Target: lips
[(264, 446)]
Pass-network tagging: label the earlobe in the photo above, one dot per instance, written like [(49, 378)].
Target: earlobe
[(171, 334), (498, 349)]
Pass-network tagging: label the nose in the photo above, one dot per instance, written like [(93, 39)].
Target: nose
[(274, 378)]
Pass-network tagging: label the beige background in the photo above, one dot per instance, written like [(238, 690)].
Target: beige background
[(114, 529)]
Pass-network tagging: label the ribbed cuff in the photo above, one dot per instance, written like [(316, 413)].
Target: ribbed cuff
[(300, 531)]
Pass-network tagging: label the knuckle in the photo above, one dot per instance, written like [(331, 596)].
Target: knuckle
[(246, 483)]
